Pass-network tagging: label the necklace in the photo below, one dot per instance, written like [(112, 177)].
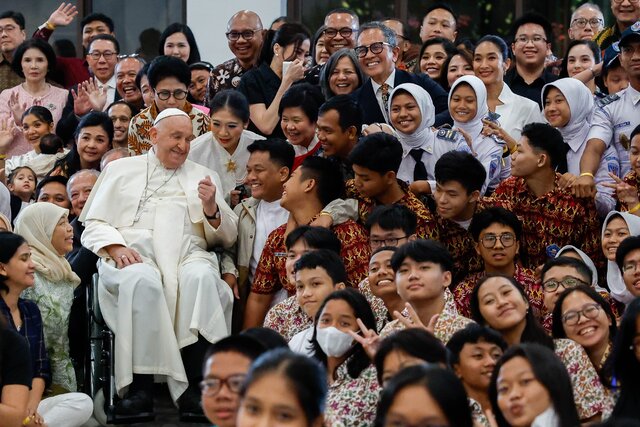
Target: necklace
[(145, 198)]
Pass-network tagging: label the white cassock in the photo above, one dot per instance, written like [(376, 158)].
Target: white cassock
[(231, 168), (157, 307)]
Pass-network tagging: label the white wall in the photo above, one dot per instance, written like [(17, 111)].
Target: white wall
[(208, 20)]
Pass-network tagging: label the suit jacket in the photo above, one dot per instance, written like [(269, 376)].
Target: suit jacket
[(371, 113)]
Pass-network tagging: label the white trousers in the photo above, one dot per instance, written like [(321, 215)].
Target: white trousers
[(66, 410)]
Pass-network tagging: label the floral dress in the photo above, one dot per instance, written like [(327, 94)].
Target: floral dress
[(54, 301)]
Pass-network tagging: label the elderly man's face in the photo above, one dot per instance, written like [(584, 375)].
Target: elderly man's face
[(626, 12), (586, 23), (379, 65), (172, 138), (79, 191), (126, 71), (247, 51), (336, 22), (102, 67), (10, 36)]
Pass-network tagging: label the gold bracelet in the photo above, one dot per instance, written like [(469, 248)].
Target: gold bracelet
[(26, 420), (49, 26), (588, 174), (3, 156), (635, 208), (325, 213)]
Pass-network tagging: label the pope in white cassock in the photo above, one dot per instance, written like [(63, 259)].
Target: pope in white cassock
[(152, 220)]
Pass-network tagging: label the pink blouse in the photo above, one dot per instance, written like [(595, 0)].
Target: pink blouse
[(55, 99)]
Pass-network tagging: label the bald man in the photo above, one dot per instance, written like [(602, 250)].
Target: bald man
[(245, 35), (153, 219)]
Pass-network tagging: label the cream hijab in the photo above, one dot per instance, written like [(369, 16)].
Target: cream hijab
[(427, 110), (474, 126), (581, 104), (36, 224), (6, 221), (587, 261), (617, 288)]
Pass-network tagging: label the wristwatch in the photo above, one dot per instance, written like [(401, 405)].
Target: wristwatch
[(214, 216)]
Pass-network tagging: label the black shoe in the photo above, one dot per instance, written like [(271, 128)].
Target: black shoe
[(189, 407), (136, 404)]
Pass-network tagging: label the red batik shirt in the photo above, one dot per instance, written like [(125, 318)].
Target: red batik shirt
[(271, 275), (551, 221), (630, 178)]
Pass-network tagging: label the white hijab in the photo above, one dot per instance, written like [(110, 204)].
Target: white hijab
[(474, 126), (427, 110), (617, 288), (587, 261), (36, 223), (581, 104)]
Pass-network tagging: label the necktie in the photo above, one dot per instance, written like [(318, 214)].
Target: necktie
[(420, 171), (384, 89)]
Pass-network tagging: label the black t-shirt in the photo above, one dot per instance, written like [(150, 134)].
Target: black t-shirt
[(260, 86), (16, 360)]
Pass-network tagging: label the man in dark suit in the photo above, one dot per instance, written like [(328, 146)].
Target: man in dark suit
[(378, 51)]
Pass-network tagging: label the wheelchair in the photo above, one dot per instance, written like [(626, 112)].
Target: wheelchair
[(99, 374)]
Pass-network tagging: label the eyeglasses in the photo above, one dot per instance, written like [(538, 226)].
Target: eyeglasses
[(630, 1), (535, 39), (246, 34), (375, 48), (630, 267), (566, 283), (506, 239), (582, 22), (178, 94), (212, 386), (344, 32), (107, 54), (391, 241), (589, 311), (7, 29)]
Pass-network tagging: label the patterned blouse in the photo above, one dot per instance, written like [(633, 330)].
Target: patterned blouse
[(589, 394), (426, 225), (54, 301), (141, 123), (352, 402), (460, 245), (287, 318), (377, 305), (477, 414), (271, 275), (524, 276), (551, 221), (449, 321), (224, 76)]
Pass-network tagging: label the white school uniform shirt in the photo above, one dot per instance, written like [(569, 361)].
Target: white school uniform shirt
[(516, 111), (614, 118), (300, 344), (269, 216)]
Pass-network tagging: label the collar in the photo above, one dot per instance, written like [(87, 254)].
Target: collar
[(523, 188), (512, 76), (153, 110), (634, 95), (300, 150), (389, 81), (506, 94), (111, 83)]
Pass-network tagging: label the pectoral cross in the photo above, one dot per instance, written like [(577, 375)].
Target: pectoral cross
[(231, 166)]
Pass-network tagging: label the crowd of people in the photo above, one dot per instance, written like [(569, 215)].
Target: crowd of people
[(342, 228)]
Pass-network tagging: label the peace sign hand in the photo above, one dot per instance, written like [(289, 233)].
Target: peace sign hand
[(413, 321), (627, 194), (369, 339)]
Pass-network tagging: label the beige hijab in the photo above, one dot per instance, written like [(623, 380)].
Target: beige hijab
[(6, 221), (36, 224)]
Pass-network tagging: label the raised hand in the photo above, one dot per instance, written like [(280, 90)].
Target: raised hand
[(6, 136), (628, 194), (63, 15), (97, 95), (413, 321), (16, 108), (81, 102), (207, 194), (369, 339)]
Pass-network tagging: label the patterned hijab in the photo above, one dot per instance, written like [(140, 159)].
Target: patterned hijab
[(427, 111), (615, 281), (474, 126), (36, 223), (581, 104)]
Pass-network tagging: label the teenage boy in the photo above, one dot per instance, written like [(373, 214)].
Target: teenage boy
[(287, 317), (423, 270), (226, 365), (381, 284), (459, 179), (497, 234), (310, 188), (628, 260), (551, 217), (562, 273), (474, 352), (338, 129), (317, 274)]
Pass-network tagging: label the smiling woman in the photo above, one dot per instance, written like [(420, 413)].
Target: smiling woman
[(33, 60)]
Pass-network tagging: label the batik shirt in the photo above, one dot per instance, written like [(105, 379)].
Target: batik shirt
[(287, 318), (551, 221), (224, 76), (632, 179), (141, 124), (449, 321), (377, 305), (352, 402), (271, 275)]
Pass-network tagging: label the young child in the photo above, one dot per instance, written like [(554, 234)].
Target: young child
[(317, 274), (22, 185)]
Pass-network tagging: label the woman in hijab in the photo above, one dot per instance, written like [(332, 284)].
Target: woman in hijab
[(412, 113), (46, 229), (468, 106), (568, 106), (617, 227)]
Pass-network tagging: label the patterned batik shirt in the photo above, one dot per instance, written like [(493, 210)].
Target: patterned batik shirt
[(287, 318), (224, 76), (425, 228), (630, 178), (551, 221), (524, 276), (352, 402), (271, 275), (449, 321), (141, 124), (377, 305)]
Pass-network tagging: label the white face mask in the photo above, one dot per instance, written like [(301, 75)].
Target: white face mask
[(333, 342)]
